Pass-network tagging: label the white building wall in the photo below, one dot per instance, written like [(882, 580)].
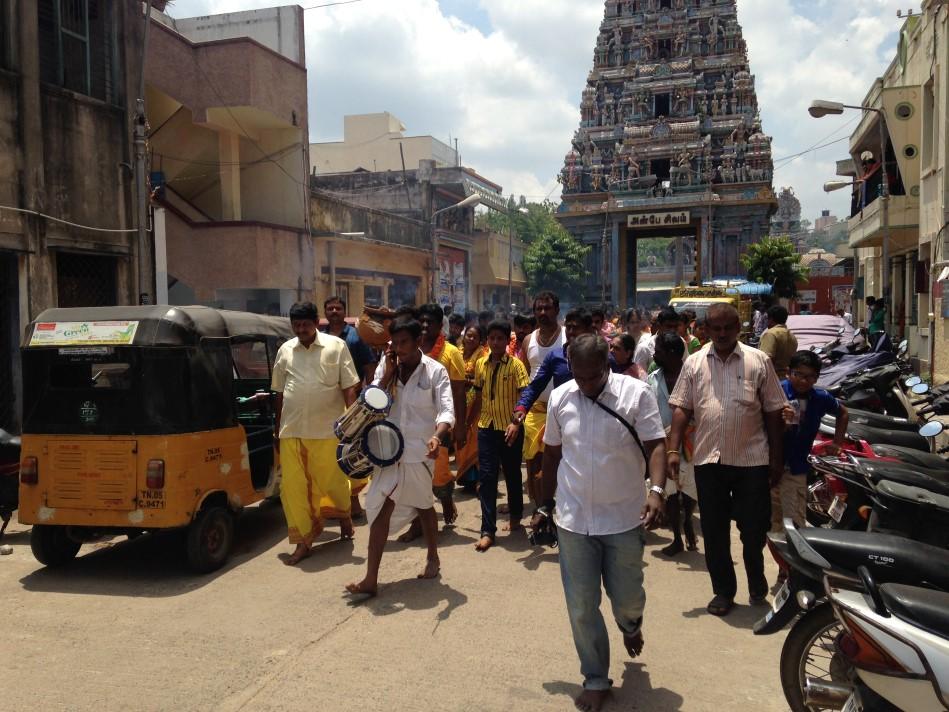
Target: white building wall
[(277, 28)]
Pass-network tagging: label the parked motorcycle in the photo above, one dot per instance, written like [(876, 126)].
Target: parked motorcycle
[(9, 477), (896, 639), (809, 652)]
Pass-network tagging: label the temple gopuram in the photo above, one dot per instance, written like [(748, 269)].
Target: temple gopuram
[(670, 145)]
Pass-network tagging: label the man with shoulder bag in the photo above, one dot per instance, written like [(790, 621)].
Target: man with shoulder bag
[(602, 506)]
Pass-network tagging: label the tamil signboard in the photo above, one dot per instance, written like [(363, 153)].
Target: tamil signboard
[(682, 217), (90, 333)]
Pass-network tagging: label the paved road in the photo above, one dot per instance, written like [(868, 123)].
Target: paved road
[(126, 627)]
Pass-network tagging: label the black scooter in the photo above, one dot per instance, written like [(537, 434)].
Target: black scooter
[(9, 477)]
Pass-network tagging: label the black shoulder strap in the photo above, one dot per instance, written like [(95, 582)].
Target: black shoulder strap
[(630, 428)]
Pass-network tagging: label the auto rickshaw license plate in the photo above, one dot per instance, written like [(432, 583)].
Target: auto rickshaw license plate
[(91, 474)]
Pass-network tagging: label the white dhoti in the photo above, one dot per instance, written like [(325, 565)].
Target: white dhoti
[(409, 485)]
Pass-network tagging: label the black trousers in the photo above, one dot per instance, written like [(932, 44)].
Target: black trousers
[(745, 494), (494, 455)]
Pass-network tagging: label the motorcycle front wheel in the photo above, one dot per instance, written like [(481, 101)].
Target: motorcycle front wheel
[(809, 652)]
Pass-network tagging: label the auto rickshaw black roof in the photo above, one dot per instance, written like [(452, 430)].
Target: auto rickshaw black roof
[(172, 326)]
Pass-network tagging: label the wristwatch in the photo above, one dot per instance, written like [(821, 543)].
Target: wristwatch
[(656, 489)]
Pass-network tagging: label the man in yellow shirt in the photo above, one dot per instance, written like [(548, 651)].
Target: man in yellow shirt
[(499, 379), (315, 381), (437, 347)]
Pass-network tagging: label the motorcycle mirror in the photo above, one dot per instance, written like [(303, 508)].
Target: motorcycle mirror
[(931, 429), (904, 347), (912, 381), (840, 331), (746, 325), (920, 389)]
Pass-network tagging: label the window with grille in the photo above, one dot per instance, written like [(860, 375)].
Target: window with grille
[(85, 280), (78, 47)]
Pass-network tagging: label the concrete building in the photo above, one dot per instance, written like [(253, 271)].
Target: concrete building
[(226, 101), (496, 258), (825, 221), (68, 88), (372, 202), (911, 98), (377, 142)]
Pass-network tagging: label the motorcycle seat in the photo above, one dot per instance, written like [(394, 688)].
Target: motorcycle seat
[(932, 480), (921, 607), (914, 458), (903, 438), (891, 559), (875, 420)]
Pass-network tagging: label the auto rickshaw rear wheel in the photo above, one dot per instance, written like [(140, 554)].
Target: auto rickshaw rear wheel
[(209, 539), (52, 545)]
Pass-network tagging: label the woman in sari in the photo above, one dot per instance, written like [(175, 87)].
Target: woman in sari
[(466, 459)]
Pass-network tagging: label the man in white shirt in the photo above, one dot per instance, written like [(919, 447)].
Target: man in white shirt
[(602, 507), (423, 410)]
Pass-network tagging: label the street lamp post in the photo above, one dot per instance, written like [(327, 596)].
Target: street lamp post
[(467, 202), (819, 109), (510, 256)]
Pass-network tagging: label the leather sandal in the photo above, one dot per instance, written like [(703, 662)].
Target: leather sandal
[(720, 606)]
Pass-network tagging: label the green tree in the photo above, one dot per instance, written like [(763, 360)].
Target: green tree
[(774, 261), (554, 260)]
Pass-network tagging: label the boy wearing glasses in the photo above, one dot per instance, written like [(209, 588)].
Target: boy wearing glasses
[(807, 405)]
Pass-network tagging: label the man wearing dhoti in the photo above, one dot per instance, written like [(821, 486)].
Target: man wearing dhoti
[(423, 409), (316, 381)]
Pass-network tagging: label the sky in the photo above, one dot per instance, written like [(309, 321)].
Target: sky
[(504, 77)]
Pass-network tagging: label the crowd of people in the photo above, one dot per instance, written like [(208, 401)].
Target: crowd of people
[(623, 423)]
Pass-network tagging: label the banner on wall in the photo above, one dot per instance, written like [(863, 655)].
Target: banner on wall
[(453, 278)]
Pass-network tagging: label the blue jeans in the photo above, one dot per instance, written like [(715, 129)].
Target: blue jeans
[(617, 561)]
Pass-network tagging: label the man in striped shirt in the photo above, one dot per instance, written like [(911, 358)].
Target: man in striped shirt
[(732, 393), (499, 379)]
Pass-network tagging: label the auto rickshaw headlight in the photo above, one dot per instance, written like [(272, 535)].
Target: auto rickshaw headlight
[(29, 471), (155, 475)]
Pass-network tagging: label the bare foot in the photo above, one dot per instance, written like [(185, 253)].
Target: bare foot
[(513, 526), (346, 529), (432, 567), (634, 644), (414, 532), (449, 511), (591, 700), (362, 589), (299, 554), (485, 543)]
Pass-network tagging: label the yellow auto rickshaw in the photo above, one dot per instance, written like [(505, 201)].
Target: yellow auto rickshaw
[(147, 418)]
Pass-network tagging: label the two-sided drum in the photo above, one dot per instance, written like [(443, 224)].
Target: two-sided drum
[(381, 445), (372, 406)]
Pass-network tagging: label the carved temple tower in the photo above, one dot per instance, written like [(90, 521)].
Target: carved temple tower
[(670, 145)]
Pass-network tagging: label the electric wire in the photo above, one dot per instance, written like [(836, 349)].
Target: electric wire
[(51, 218)]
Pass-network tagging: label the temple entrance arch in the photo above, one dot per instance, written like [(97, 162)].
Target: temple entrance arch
[(657, 252)]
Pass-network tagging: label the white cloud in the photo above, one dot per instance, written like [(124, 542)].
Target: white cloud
[(511, 95)]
